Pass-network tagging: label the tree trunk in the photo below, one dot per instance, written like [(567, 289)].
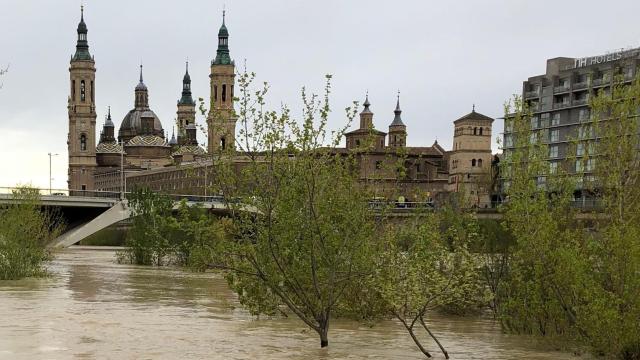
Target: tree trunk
[(446, 355), (413, 336), (324, 336)]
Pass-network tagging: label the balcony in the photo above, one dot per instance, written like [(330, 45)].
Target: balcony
[(532, 94), (560, 89), (579, 102), (581, 85), (561, 105), (600, 82)]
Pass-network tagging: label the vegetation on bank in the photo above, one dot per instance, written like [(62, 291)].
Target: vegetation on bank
[(568, 278), (25, 231), (157, 237)]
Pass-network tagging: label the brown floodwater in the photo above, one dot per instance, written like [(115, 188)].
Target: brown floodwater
[(93, 308)]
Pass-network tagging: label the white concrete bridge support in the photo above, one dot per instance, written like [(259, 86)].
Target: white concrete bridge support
[(118, 212)]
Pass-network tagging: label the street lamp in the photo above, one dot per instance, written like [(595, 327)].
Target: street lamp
[(50, 155)]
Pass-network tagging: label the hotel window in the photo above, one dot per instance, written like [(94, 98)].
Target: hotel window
[(583, 114), (544, 120), (579, 167), (555, 119), (508, 140), (590, 165), (553, 151), (554, 135), (508, 125), (580, 149), (534, 122), (553, 168)]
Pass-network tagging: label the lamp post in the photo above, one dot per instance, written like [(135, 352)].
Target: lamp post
[(50, 155), (121, 170)]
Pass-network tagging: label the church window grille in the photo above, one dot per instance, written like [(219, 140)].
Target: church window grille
[(224, 92), (82, 91), (215, 92)]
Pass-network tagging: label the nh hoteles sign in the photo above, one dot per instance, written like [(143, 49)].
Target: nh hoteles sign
[(593, 60)]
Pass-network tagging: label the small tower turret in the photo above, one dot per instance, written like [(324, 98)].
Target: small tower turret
[(108, 129), (186, 108), (397, 129), (142, 94)]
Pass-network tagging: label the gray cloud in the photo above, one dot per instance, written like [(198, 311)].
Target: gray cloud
[(443, 56)]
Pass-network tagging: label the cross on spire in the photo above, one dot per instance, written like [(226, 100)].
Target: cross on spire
[(141, 73), (474, 108)]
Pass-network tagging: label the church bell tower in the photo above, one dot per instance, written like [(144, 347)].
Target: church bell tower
[(221, 121), (81, 140)]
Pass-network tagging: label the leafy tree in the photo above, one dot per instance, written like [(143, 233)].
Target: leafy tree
[(572, 278), (307, 236), (610, 283), (147, 242), (2, 73), (425, 265), (537, 298), (25, 231)]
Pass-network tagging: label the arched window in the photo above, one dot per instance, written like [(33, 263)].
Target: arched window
[(480, 161), (73, 90), (231, 92), (215, 92), (480, 131), (475, 131), (473, 162), (93, 98), (223, 143), (224, 92), (82, 90), (83, 142)]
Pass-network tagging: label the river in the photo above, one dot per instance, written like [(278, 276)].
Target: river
[(93, 308)]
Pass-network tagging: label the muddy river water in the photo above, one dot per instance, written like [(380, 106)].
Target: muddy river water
[(93, 308)]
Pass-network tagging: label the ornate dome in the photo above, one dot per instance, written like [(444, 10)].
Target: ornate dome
[(147, 140), (110, 147), (132, 124)]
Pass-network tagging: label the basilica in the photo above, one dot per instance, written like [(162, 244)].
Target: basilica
[(142, 154)]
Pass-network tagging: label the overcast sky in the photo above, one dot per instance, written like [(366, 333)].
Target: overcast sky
[(443, 56)]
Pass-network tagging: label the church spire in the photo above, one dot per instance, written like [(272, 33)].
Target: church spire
[(82, 46), (186, 89), (397, 120), (222, 54)]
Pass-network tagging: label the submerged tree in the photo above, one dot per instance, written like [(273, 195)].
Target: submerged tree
[(303, 231), (25, 231), (426, 264)]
